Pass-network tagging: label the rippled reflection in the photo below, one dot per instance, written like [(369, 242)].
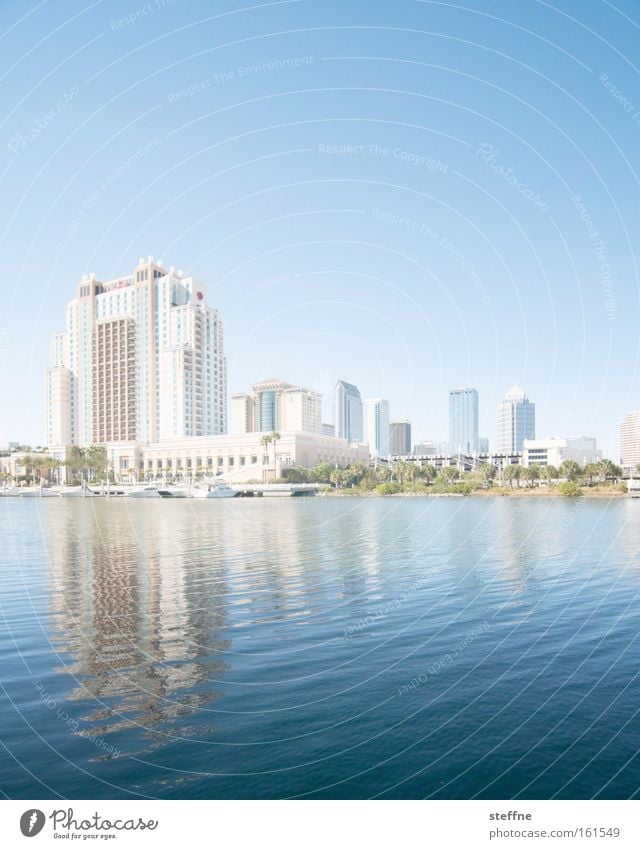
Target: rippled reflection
[(137, 618), (329, 647)]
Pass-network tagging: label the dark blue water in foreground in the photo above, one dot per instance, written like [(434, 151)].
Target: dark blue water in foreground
[(394, 648)]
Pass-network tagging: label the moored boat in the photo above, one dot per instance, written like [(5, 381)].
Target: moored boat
[(76, 492), (149, 491), (213, 490)]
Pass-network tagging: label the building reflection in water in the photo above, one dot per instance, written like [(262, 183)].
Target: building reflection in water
[(137, 617)]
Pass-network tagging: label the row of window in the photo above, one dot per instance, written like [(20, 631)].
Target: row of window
[(189, 463)]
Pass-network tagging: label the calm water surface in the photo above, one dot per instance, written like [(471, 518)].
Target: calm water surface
[(269, 648)]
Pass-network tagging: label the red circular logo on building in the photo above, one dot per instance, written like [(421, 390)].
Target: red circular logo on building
[(200, 296)]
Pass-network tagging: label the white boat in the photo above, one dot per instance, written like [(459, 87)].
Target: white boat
[(76, 492), (10, 490), (38, 492), (213, 490), (150, 491), (173, 491)]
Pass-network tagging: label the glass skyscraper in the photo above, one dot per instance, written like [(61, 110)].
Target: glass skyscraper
[(348, 411), (463, 421)]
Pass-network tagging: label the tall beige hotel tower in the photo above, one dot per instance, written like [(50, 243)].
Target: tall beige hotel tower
[(141, 358)]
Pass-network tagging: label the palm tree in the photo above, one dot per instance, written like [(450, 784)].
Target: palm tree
[(549, 473), (532, 474), (275, 436), (570, 470), (401, 470), (592, 470), (39, 465), (75, 461), (266, 440), (509, 474), (486, 472), (96, 459), (356, 472), (608, 469), (428, 472), (449, 474)]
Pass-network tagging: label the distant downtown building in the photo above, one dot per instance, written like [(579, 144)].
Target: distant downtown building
[(463, 421), (400, 438), (347, 412), (425, 448), (141, 358), (516, 421), (276, 405), (554, 450), (376, 426), (629, 432)]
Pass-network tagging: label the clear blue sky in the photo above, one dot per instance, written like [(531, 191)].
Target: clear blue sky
[(445, 249)]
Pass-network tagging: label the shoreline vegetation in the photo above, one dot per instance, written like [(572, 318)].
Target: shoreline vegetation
[(408, 479), (403, 478)]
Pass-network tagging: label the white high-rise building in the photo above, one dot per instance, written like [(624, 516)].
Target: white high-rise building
[(376, 426), (347, 404), (630, 442), (516, 421), (142, 358)]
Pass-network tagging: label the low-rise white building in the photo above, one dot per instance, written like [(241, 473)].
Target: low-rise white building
[(237, 458), (554, 450)]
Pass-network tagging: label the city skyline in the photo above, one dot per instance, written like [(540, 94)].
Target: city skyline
[(142, 358), (98, 382)]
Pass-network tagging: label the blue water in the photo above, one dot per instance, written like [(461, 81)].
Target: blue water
[(341, 648)]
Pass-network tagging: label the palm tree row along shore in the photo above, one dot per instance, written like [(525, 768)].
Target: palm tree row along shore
[(403, 477), (409, 478)]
